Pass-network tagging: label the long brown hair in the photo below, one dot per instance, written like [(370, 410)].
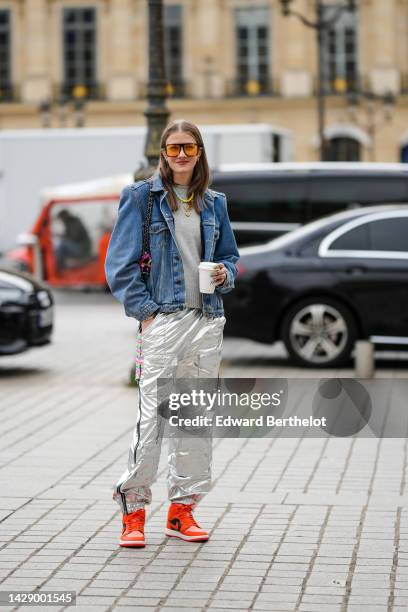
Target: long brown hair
[(201, 172)]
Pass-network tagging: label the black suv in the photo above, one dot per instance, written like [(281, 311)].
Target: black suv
[(267, 200)]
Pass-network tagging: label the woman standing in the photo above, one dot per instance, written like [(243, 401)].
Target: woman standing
[(181, 328)]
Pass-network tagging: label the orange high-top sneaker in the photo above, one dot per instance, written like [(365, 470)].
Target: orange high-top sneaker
[(181, 524), (133, 529)]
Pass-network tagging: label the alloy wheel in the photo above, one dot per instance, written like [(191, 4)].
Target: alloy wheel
[(318, 333)]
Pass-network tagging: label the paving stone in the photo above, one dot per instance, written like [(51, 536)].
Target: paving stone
[(227, 605), (187, 603), (322, 599)]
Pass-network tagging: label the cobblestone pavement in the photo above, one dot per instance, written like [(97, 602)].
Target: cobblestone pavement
[(309, 525)]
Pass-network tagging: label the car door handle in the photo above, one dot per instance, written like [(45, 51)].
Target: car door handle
[(356, 270)]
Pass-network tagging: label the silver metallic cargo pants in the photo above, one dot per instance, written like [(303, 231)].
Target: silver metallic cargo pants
[(183, 344)]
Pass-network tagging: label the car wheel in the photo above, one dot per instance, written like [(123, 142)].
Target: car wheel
[(319, 332)]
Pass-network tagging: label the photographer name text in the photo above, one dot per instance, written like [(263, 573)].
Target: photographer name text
[(269, 420)]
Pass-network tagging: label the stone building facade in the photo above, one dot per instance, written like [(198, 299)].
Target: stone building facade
[(228, 61)]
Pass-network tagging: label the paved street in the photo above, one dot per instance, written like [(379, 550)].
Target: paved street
[(297, 524)]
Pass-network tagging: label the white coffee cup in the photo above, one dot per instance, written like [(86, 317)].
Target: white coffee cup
[(207, 284)]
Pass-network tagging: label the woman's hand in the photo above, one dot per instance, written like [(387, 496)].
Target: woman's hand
[(219, 275)]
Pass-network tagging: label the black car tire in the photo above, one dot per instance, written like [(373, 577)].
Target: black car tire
[(334, 313)]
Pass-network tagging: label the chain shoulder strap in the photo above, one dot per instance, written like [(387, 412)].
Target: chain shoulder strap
[(146, 259), (147, 220)]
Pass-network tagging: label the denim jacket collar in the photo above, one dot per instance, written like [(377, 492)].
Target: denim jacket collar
[(157, 183)]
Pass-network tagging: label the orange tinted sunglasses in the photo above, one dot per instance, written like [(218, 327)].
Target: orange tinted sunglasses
[(190, 149)]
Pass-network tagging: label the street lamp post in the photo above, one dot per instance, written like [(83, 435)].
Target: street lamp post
[(156, 112), (320, 25)]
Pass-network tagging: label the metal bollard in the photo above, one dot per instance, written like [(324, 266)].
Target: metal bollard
[(364, 359)]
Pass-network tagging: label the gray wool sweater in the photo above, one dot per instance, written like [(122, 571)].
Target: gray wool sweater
[(188, 238)]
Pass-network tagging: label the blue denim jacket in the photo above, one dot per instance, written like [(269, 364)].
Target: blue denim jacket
[(164, 290)]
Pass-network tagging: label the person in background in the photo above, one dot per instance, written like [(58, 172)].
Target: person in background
[(75, 242)]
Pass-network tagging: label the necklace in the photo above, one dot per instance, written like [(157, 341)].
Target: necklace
[(187, 209), (185, 202)]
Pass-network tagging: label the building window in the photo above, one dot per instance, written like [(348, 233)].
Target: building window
[(6, 91), (342, 149), (173, 49), (340, 62), (79, 38), (252, 51)]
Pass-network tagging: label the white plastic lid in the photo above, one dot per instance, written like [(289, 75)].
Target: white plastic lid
[(208, 265)]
